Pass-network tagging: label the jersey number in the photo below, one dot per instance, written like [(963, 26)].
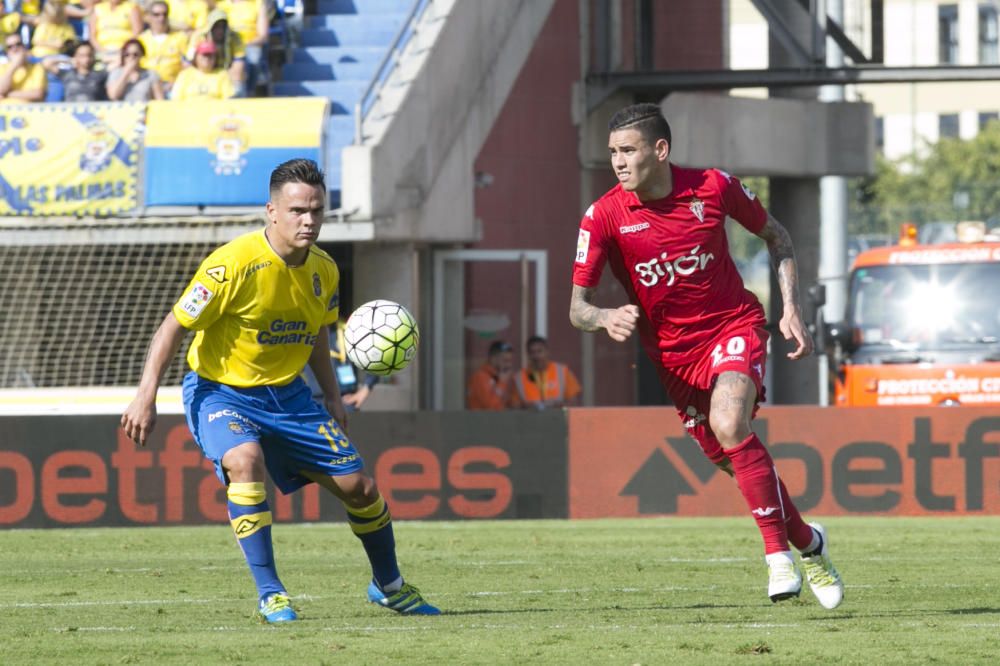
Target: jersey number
[(734, 347), (331, 431)]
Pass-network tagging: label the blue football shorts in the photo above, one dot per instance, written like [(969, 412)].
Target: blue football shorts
[(296, 433)]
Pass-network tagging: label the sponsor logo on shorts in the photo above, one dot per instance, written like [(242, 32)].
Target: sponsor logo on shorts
[(728, 359), (343, 460), (695, 418), (227, 412)]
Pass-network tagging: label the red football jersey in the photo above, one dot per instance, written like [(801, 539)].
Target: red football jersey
[(672, 257)]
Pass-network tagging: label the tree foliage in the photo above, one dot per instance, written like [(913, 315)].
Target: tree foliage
[(953, 180)]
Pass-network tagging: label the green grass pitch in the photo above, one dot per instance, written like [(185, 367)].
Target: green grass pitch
[(654, 591)]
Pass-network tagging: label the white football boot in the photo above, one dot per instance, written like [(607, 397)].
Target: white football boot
[(821, 574), (783, 580)]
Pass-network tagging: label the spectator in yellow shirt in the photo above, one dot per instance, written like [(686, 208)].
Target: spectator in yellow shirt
[(164, 47), (187, 16), (231, 53), (204, 80), (112, 23), (21, 81), (250, 20), (52, 31), (9, 22)]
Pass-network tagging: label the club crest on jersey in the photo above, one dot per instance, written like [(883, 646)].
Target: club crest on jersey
[(317, 285), (697, 207)]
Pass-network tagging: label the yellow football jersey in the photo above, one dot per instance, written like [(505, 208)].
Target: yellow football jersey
[(257, 318)]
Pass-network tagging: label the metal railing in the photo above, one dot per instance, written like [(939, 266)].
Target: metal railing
[(388, 62)]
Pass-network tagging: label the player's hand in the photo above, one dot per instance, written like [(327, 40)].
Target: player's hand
[(792, 327), (337, 411), (620, 322), (358, 397), (139, 419)]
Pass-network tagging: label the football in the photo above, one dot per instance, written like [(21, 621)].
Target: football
[(381, 337)]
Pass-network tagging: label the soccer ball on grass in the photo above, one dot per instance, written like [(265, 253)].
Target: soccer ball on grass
[(381, 337)]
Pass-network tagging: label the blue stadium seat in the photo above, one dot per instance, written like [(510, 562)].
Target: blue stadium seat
[(342, 54), (338, 52), (361, 6), (341, 71), (343, 95)]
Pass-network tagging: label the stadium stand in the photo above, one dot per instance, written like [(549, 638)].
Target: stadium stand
[(341, 48)]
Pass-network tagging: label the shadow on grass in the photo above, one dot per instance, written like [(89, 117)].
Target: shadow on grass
[(911, 612), (596, 609)]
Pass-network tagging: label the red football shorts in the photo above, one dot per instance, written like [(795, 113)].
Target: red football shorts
[(738, 349)]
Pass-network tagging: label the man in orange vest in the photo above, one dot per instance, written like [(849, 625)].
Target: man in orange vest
[(490, 387), (545, 384)]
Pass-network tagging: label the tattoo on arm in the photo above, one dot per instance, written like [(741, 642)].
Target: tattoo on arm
[(583, 314), (779, 246)]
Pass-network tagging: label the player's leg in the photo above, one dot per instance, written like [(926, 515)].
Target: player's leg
[(735, 394), (250, 517), (319, 449), (732, 401), (370, 520), (223, 428)]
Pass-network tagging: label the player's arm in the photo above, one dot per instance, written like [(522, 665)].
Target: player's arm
[(792, 326), (319, 363), (584, 315), (140, 416)]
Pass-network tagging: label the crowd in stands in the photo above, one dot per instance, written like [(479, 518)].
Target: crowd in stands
[(132, 50)]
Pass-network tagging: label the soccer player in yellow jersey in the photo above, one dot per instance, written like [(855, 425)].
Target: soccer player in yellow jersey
[(261, 305)]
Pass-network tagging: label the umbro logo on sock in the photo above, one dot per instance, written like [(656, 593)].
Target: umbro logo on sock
[(762, 511)]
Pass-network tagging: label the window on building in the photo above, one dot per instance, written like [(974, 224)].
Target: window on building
[(948, 34), (988, 52), (880, 134), (988, 117), (948, 126)]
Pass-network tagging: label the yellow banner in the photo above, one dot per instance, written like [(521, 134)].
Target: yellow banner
[(69, 159)]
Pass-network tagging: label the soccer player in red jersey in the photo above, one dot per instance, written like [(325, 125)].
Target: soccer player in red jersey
[(662, 230)]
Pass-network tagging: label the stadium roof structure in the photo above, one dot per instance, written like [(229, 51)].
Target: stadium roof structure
[(788, 26)]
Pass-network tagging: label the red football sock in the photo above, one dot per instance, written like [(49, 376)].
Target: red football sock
[(799, 533), (758, 481)]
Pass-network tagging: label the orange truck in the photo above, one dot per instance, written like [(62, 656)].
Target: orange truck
[(922, 324)]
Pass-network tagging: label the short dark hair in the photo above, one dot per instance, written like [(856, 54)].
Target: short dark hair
[(647, 118), (499, 347), (296, 171), (534, 340), (77, 45)]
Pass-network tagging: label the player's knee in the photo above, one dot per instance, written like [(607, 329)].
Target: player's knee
[(730, 429), (360, 492), (244, 463)]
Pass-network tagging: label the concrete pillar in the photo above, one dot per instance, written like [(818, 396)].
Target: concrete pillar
[(391, 271), (795, 203)]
